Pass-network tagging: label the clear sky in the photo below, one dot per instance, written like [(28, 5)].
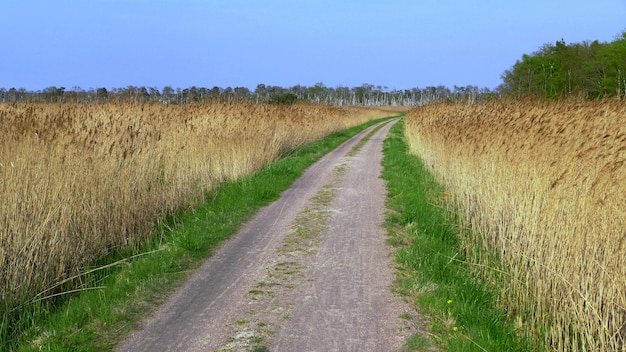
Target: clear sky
[(182, 43)]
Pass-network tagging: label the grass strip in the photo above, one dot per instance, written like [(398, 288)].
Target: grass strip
[(432, 272), (122, 289), (357, 147)]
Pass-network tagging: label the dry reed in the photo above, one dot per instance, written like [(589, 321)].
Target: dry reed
[(80, 180), (539, 191)]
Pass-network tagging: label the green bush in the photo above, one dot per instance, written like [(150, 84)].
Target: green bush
[(283, 99)]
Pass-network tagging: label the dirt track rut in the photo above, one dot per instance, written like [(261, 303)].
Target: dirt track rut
[(310, 272)]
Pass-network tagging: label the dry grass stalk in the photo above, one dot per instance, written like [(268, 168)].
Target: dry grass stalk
[(539, 189), (80, 180)]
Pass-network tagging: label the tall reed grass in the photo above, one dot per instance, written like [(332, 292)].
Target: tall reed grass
[(81, 180), (540, 193)]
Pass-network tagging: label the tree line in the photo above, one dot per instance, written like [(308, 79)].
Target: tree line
[(588, 69), (366, 94)]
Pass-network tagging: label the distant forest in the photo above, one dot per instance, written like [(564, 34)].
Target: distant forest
[(366, 94), (588, 69)]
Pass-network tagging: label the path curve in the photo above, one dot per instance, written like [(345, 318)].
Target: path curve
[(310, 272)]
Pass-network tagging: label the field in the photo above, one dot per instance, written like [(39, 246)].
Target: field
[(538, 191), (80, 181)]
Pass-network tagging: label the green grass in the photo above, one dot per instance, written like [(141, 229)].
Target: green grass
[(128, 286), (432, 272)]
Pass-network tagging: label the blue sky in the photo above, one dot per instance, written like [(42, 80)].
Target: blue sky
[(394, 43)]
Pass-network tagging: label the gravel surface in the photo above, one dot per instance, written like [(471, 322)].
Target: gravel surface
[(310, 272)]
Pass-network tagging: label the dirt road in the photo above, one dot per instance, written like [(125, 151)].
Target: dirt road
[(310, 272)]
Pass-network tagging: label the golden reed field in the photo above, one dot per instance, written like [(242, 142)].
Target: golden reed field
[(539, 189), (79, 180)]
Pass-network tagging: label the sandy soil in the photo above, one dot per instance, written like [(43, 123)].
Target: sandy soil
[(310, 272)]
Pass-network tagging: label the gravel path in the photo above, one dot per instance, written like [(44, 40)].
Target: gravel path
[(310, 272)]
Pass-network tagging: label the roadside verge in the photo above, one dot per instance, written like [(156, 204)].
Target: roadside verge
[(432, 273)]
